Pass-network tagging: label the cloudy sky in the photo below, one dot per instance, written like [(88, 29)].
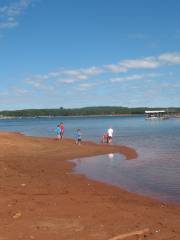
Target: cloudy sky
[(75, 53)]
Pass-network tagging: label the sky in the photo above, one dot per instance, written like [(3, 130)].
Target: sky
[(77, 53)]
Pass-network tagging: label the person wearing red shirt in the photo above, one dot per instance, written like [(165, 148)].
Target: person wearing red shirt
[(62, 129)]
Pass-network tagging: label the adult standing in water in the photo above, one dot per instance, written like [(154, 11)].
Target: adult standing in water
[(110, 134), (62, 129)]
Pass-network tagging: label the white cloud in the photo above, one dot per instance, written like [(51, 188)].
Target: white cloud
[(136, 77), (150, 62), (71, 76), (63, 76), (34, 83), (82, 74), (4, 25), (128, 78), (9, 13), (66, 81), (76, 74), (86, 86), (170, 85), (20, 91), (169, 58), (115, 68), (40, 85)]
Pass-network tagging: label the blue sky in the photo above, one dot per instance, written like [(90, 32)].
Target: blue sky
[(75, 53)]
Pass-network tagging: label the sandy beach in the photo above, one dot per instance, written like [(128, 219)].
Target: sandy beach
[(42, 199)]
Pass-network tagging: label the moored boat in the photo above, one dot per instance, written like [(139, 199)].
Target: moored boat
[(156, 114)]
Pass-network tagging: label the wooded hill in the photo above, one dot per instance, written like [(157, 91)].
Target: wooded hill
[(106, 110)]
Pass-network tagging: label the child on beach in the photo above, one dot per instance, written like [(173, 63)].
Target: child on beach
[(78, 137), (58, 133), (105, 138), (62, 129)]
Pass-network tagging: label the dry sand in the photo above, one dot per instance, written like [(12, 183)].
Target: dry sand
[(41, 198)]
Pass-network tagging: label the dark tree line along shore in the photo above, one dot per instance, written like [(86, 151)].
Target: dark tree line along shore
[(85, 111)]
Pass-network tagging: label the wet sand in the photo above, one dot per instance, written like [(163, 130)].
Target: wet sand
[(42, 199)]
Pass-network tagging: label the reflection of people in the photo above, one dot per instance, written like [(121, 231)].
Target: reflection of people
[(58, 132), (110, 135), (78, 137), (111, 155), (62, 129), (105, 138)]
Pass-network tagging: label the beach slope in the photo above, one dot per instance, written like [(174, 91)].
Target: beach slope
[(40, 197)]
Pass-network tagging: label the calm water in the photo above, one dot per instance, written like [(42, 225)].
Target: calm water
[(156, 172)]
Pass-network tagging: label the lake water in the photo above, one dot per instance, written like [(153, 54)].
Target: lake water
[(156, 171)]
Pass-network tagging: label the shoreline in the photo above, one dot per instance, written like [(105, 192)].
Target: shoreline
[(73, 116), (54, 203)]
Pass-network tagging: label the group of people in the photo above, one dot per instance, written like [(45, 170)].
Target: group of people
[(106, 138), (60, 133)]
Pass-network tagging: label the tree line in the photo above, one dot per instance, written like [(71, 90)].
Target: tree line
[(85, 111)]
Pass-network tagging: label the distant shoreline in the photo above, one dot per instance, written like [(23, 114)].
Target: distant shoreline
[(85, 111), (79, 116), (73, 116)]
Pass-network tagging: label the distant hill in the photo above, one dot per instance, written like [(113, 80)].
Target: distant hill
[(85, 111)]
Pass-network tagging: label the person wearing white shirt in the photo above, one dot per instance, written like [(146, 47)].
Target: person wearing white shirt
[(110, 135)]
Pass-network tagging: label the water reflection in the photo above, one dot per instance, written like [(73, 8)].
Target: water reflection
[(111, 156), (155, 179)]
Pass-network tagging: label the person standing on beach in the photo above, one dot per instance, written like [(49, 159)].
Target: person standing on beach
[(105, 138), (62, 130), (78, 137), (110, 134), (58, 133)]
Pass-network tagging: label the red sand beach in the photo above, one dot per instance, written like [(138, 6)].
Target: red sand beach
[(42, 199)]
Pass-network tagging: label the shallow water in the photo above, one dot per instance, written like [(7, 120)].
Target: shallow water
[(157, 168), (154, 180)]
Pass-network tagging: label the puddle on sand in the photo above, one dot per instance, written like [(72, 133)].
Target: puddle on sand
[(134, 176)]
